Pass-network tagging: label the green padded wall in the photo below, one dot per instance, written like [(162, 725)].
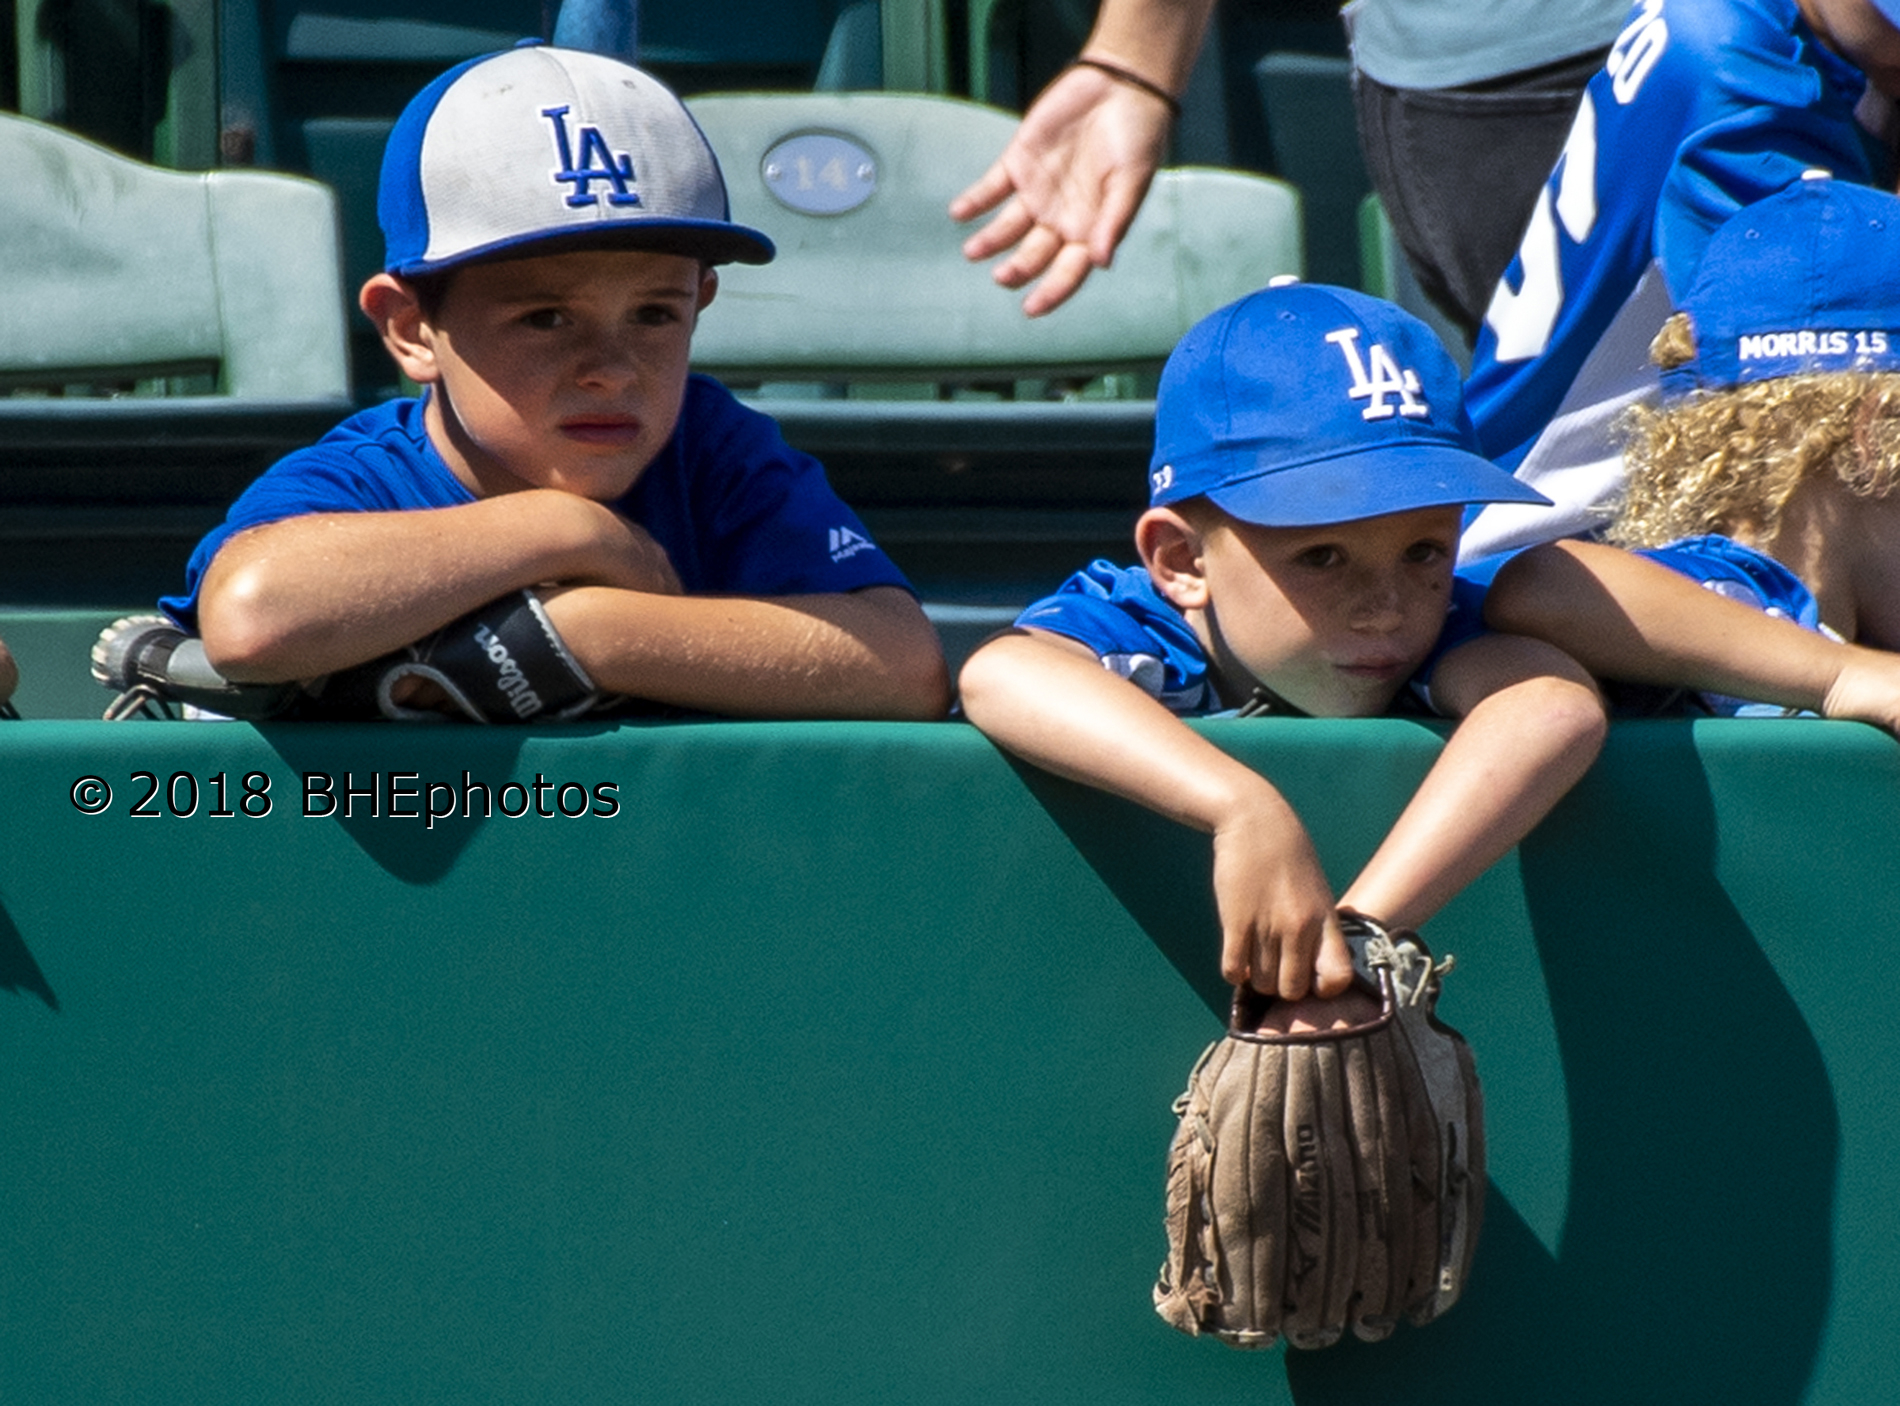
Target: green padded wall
[(835, 1068)]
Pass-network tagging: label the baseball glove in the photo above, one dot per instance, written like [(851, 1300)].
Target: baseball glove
[(502, 662), (1327, 1178)]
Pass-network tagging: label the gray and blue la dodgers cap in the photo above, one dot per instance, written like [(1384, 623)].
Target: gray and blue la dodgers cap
[(537, 145), (1303, 405)]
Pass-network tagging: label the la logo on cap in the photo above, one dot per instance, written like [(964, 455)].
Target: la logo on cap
[(1385, 379), (615, 168)]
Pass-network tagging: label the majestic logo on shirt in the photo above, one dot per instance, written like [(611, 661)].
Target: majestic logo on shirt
[(598, 162), (846, 543), (1377, 376)]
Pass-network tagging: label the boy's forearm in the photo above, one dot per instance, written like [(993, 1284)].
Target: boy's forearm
[(1624, 617), (308, 595), (1533, 724), (1050, 701), (864, 654), (1060, 709)]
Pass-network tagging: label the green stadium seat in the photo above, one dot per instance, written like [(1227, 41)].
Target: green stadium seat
[(991, 454), (139, 273), (871, 289), (163, 336)]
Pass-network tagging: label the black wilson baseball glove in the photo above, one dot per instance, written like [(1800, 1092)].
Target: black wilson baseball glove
[(500, 663)]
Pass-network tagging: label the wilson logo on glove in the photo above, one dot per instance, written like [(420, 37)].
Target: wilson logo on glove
[(511, 681)]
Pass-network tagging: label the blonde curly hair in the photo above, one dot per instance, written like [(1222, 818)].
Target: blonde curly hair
[(1728, 461)]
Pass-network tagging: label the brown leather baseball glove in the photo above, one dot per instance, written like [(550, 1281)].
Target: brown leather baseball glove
[(1327, 1178)]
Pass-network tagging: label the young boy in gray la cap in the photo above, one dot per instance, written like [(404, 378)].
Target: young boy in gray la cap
[(1312, 464), (564, 501)]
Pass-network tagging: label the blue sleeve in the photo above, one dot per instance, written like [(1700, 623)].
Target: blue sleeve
[(1704, 106), (376, 461), (1133, 630)]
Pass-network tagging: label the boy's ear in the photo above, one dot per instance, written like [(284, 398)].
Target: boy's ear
[(708, 286), (1172, 550), (391, 303)]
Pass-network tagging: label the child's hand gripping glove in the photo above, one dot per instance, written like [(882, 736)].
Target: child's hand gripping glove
[(1327, 1178)]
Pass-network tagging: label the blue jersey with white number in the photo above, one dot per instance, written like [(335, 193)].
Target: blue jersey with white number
[(1703, 107)]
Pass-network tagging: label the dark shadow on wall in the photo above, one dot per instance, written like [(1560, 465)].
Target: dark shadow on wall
[(374, 781), (1159, 871), (1696, 1259), (19, 973)]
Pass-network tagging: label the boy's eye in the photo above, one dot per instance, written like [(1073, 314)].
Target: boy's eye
[(1320, 557), (544, 319), (657, 315), (1427, 552)]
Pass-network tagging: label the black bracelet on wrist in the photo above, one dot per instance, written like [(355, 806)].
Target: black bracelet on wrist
[(1133, 80)]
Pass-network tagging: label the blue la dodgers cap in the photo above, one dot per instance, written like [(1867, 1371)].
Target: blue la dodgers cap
[(1301, 405), (1802, 281), (539, 145)]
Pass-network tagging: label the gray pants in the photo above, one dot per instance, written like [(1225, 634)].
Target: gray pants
[(1458, 170)]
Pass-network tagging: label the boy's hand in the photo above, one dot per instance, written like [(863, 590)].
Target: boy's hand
[(1866, 688), (623, 555), (1279, 928)]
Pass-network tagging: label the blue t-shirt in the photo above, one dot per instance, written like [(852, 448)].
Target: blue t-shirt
[(1139, 635), (1703, 107), (737, 510)]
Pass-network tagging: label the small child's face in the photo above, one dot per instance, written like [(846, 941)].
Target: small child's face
[(1334, 619), (562, 371)]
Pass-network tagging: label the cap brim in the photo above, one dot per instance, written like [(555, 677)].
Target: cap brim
[(1370, 483), (712, 241)]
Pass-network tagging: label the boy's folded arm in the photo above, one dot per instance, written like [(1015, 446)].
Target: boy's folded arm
[(868, 653), (307, 595), (1533, 722), (1628, 618), (1049, 700)]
